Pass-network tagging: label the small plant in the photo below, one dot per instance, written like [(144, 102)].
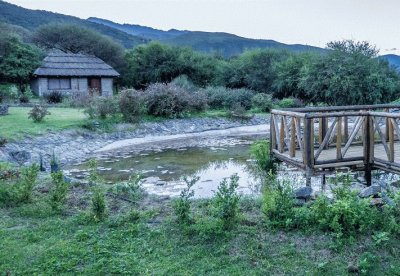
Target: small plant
[(102, 107), (54, 97), (381, 238), (3, 142), (37, 113), (262, 102), (99, 206), (226, 201), (54, 164), (58, 191), (93, 175), (132, 188), (132, 105), (260, 151), (182, 204)]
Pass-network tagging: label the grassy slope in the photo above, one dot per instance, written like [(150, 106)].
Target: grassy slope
[(34, 241), (16, 124)]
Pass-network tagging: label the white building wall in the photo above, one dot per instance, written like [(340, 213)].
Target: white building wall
[(78, 85), (106, 87)]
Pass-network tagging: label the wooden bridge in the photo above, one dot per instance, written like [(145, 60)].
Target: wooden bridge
[(320, 140)]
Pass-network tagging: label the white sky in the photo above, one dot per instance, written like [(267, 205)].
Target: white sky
[(312, 22)]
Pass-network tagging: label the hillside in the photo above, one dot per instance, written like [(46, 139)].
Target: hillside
[(31, 19), (393, 60), (221, 43)]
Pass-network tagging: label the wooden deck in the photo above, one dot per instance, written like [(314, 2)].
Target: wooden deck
[(319, 140)]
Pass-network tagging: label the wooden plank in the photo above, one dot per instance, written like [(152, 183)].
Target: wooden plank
[(396, 127), (346, 128), (378, 129), (276, 126), (298, 133), (293, 138), (344, 108), (288, 113), (391, 140), (339, 139), (308, 145), (282, 136), (272, 133)]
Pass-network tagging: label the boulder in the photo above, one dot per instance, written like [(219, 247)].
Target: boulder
[(372, 190), (21, 156), (3, 110), (303, 193)]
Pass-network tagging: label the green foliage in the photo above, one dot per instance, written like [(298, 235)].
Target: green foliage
[(99, 205), (102, 107), (262, 102), (54, 97), (226, 202), (18, 191), (169, 100), (94, 177), (38, 112), (58, 191), (18, 59), (290, 103), (131, 188), (75, 39), (132, 104), (182, 204), (221, 97), (8, 92), (260, 151)]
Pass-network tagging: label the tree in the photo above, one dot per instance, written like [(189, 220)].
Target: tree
[(75, 39), (18, 60), (351, 74), (254, 70)]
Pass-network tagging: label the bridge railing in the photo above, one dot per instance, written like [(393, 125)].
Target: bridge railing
[(328, 137)]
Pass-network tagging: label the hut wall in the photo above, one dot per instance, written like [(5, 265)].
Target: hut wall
[(106, 87)]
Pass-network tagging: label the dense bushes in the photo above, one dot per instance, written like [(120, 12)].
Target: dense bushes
[(38, 112), (54, 97), (132, 104), (221, 97)]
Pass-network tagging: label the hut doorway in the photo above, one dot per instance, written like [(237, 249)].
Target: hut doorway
[(95, 86)]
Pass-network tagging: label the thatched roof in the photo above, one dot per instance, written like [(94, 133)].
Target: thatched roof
[(74, 65)]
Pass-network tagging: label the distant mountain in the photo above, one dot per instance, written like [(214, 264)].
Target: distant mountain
[(31, 19), (393, 60), (138, 30), (220, 43)]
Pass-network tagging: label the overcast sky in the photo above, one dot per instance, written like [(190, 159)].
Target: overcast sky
[(312, 22)]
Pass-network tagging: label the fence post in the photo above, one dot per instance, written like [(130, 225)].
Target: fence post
[(309, 148)]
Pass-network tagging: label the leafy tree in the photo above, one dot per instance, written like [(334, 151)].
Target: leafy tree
[(254, 70), (75, 39), (351, 74), (18, 60)]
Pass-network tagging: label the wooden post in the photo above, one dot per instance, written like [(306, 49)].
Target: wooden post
[(346, 129), (386, 126), (293, 138), (391, 140), (309, 148), (339, 139), (282, 136), (272, 134), (367, 148)]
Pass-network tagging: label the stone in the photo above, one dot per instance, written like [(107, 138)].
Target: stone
[(387, 200), (21, 157), (352, 268), (303, 193), (299, 202), (372, 190), (3, 110)]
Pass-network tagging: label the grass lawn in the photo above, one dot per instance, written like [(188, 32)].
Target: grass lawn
[(36, 241), (16, 124)]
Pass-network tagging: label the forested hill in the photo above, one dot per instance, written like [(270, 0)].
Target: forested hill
[(31, 19), (393, 60), (221, 43)]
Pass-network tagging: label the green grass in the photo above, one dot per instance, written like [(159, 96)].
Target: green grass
[(16, 124)]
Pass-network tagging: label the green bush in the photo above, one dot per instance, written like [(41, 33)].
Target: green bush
[(99, 206), (132, 104), (58, 191), (262, 102), (38, 112), (131, 188), (221, 97), (54, 97), (102, 107), (20, 190), (8, 92), (260, 151), (226, 202), (290, 103), (182, 204), (169, 100)]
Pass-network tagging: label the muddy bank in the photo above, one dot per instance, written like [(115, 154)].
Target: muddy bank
[(76, 145)]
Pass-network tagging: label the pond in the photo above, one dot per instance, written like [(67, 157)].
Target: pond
[(164, 165)]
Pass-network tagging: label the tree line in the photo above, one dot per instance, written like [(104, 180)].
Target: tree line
[(348, 72)]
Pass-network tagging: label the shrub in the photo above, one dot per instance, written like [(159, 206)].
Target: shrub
[(3, 141), (132, 104), (99, 206), (54, 97), (262, 102), (102, 107), (184, 82), (169, 100), (182, 204), (58, 192), (8, 92), (78, 100), (94, 178), (226, 201), (221, 97), (132, 188), (290, 103), (260, 151), (38, 112), (23, 98), (19, 191)]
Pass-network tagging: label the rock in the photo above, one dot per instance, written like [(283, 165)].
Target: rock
[(372, 190), (352, 268), (299, 202), (361, 179), (376, 201), (383, 184), (387, 199), (3, 110), (303, 193), (21, 156)]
